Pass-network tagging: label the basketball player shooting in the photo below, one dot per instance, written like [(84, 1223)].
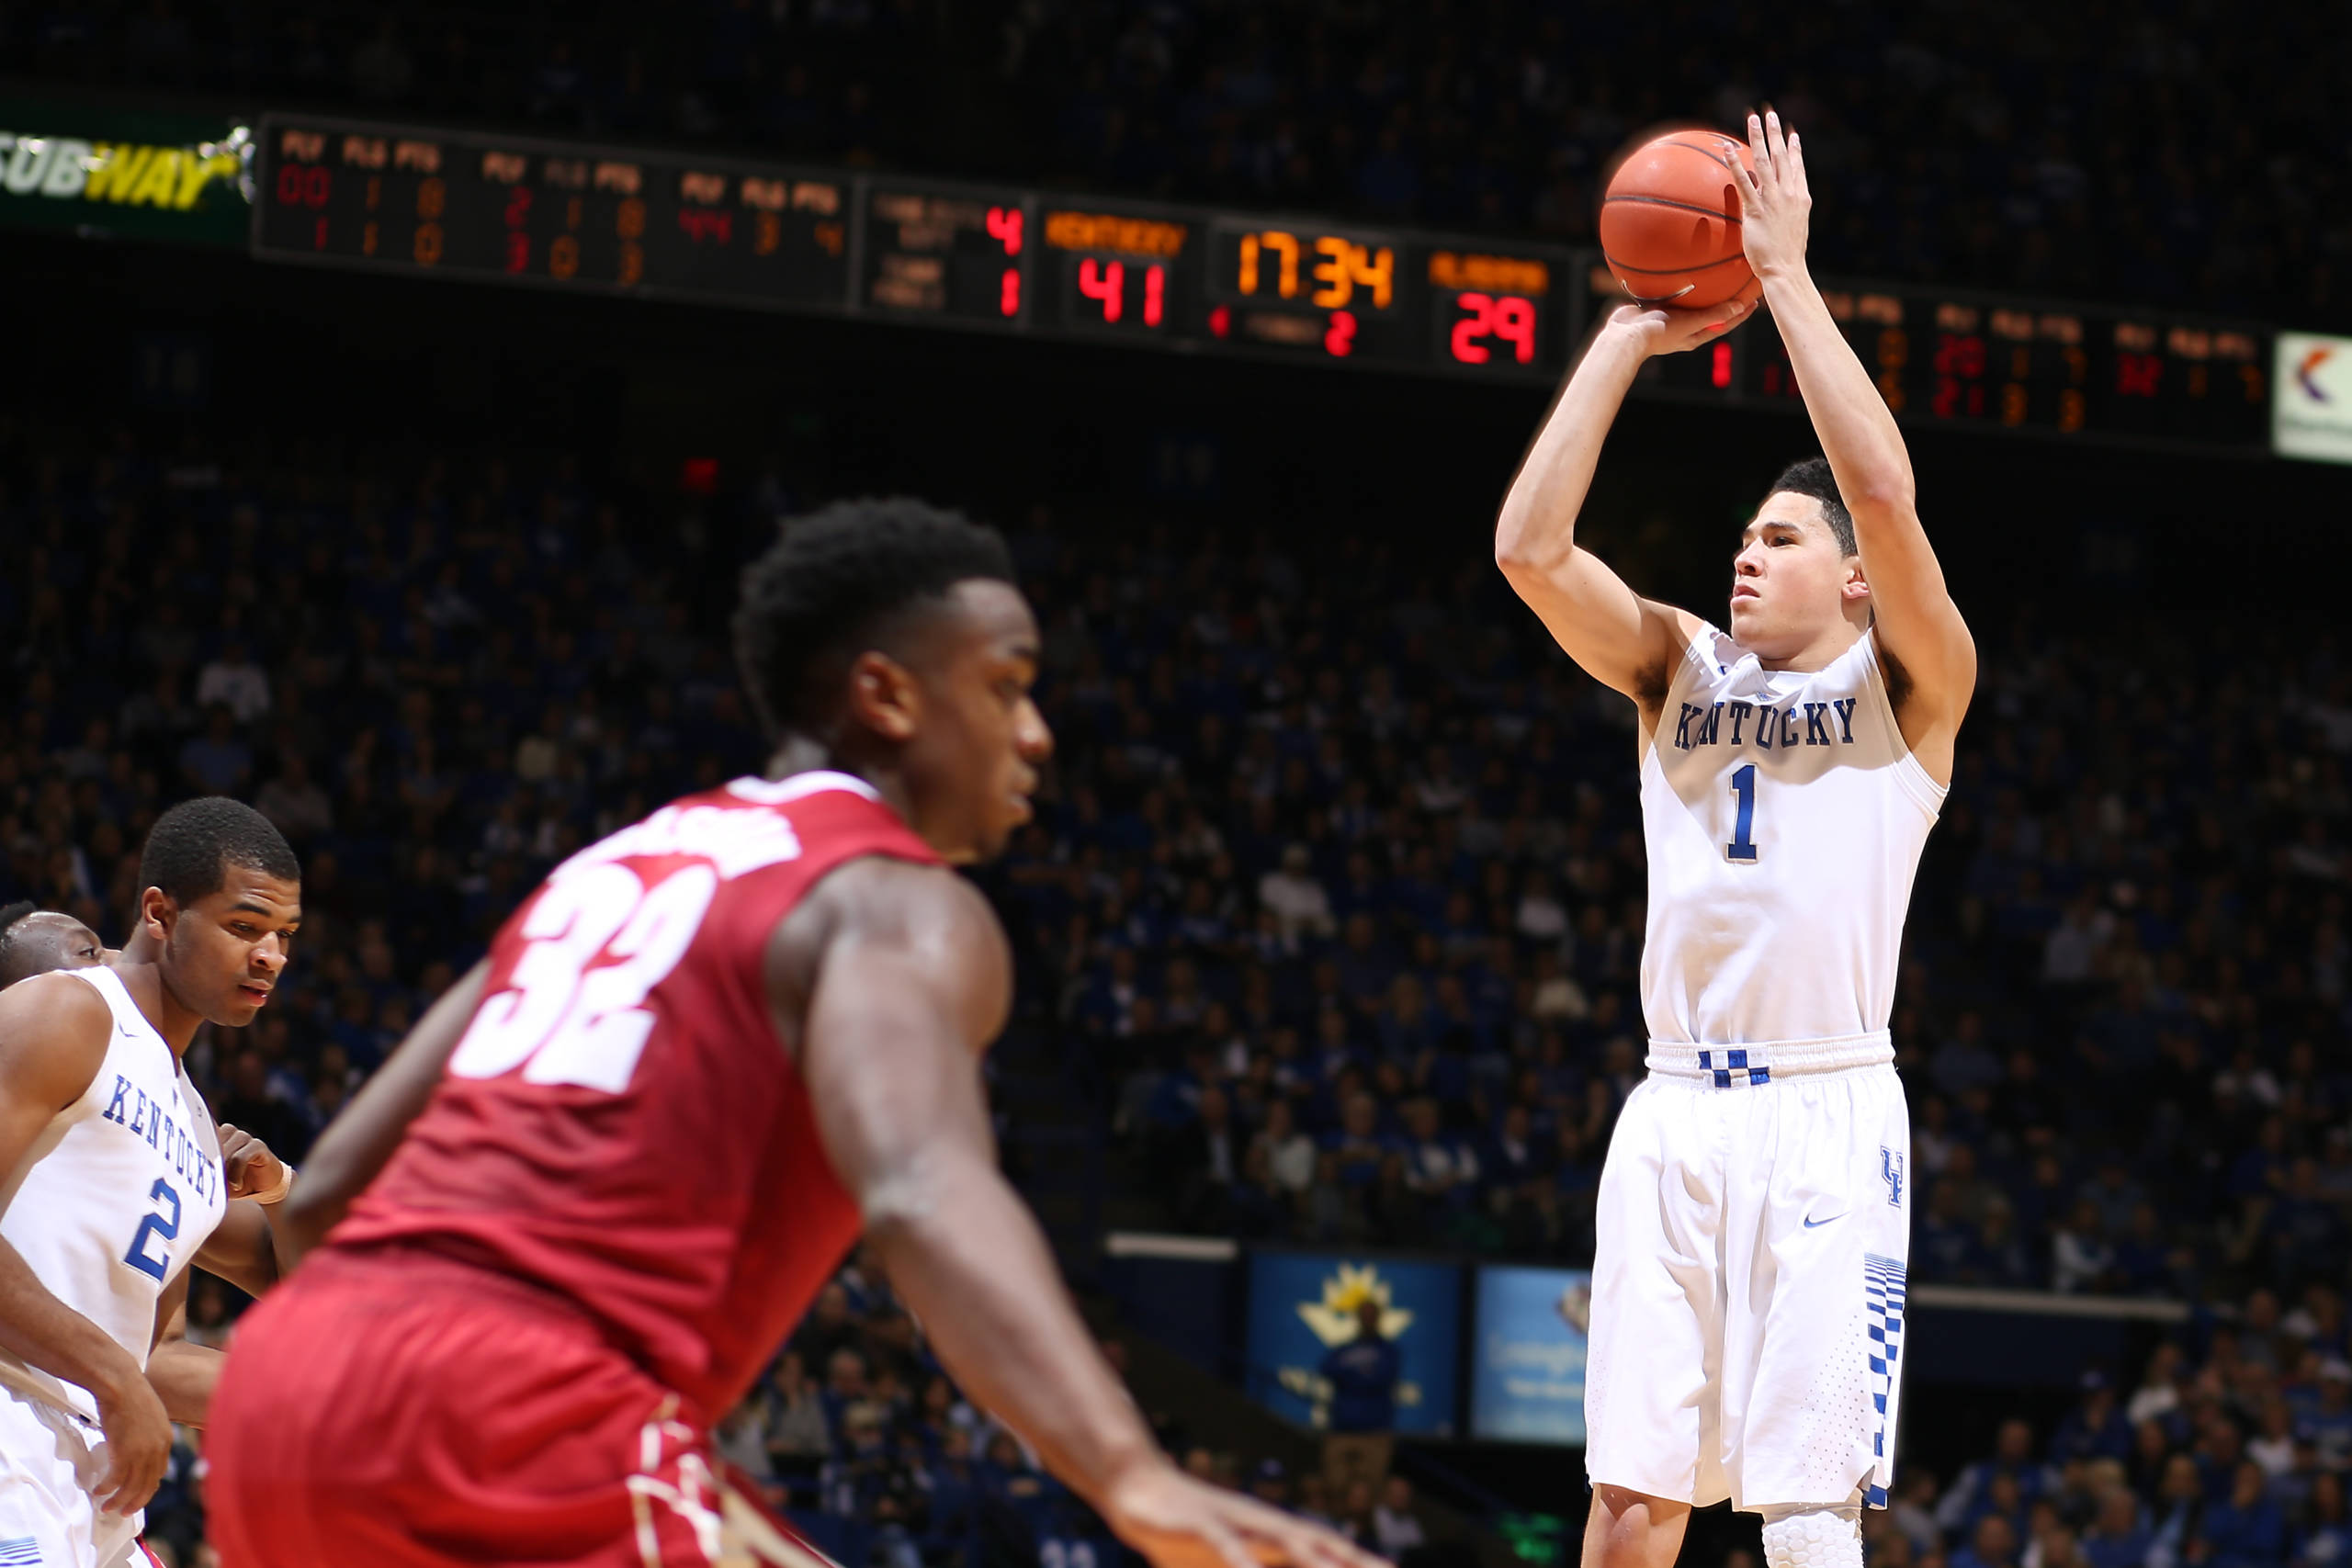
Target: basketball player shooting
[(1752, 1224)]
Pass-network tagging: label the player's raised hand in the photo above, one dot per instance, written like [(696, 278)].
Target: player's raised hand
[(139, 1446), (1664, 330), (1776, 206), (251, 1171), (1180, 1522)]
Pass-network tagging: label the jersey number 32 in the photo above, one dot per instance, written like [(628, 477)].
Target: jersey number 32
[(573, 1012)]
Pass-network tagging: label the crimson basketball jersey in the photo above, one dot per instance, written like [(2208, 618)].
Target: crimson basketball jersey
[(620, 1125)]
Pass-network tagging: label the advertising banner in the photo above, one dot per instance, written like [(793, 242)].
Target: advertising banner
[(1527, 1367), (1303, 1306), (2311, 414), (91, 168)]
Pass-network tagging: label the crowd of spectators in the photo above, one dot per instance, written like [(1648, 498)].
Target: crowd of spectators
[(2231, 1452), (1335, 898), (2123, 151), (1344, 890), (1333, 905)]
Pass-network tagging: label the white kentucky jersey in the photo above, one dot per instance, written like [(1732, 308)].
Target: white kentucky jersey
[(117, 1193), (1784, 816)]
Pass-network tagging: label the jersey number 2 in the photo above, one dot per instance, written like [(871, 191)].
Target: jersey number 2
[(1742, 847), (564, 1022), (151, 1226)]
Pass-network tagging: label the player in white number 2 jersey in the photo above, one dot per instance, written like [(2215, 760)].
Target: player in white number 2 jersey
[(112, 1180), (1747, 1285)]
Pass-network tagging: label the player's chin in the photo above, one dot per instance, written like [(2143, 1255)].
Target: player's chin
[(240, 1006)]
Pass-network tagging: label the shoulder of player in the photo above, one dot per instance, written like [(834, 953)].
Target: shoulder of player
[(924, 908), (54, 1030), (1678, 629)]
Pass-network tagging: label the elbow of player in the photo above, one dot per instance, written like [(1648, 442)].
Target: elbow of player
[(1889, 494), (1516, 556)]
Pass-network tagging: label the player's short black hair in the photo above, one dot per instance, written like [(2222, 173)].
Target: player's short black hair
[(11, 915), (1811, 476), (191, 847), (824, 591)]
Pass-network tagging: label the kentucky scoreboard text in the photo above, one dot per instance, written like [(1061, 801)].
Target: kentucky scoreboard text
[(485, 206)]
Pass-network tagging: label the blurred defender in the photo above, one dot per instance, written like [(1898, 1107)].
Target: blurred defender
[(1754, 1212), (697, 1060)]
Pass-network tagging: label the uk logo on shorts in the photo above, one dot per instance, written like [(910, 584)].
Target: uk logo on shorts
[(1890, 1170), (22, 1552)]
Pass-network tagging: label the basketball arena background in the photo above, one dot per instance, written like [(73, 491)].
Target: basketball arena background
[(392, 393)]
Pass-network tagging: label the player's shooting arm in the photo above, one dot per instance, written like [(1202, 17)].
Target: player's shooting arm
[(1915, 620), (1621, 639), (357, 1144), (54, 1035), (908, 982)]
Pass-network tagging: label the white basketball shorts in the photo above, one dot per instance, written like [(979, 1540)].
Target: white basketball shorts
[(49, 1462), (1748, 1284)]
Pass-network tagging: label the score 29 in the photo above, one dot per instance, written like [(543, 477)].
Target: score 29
[(1508, 319), (1271, 258)]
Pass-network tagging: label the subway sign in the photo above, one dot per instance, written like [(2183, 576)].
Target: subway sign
[(105, 171)]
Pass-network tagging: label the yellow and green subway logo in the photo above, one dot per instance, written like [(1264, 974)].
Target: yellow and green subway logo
[(122, 174)]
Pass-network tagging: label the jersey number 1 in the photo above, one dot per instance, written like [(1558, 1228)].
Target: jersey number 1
[(564, 1022), (1742, 847)]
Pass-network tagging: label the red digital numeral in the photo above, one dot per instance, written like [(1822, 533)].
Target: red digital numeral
[(1508, 317), (1719, 372), (1341, 340), (704, 226), (300, 187), (2138, 375), (1104, 282), (1009, 298), (518, 251), (319, 233), (518, 206), (1004, 228), (1954, 398), (1154, 295)]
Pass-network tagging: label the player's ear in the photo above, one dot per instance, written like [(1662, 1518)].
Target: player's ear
[(1856, 587), (157, 912), (884, 695)]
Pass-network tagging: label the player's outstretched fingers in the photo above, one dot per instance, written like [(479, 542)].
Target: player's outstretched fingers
[(1303, 1544), (1228, 1546)]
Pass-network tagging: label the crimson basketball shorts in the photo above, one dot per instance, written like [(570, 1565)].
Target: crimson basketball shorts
[(402, 1412)]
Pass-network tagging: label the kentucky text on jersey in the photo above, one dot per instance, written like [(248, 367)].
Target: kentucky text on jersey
[(1755, 724), (132, 1108)]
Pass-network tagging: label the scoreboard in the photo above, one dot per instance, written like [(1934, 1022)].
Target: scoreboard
[(1982, 362), (489, 207)]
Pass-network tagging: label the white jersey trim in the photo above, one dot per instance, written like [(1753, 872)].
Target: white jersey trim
[(782, 792), (1917, 781)]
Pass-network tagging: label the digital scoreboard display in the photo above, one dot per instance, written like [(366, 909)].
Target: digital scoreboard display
[(962, 256), (2014, 366), (486, 207)]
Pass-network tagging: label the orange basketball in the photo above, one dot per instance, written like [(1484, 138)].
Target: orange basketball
[(1669, 225)]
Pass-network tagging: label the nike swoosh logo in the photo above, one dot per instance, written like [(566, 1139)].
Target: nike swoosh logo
[(1817, 1225)]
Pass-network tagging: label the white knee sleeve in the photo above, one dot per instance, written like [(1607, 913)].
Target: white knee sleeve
[(1813, 1535)]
